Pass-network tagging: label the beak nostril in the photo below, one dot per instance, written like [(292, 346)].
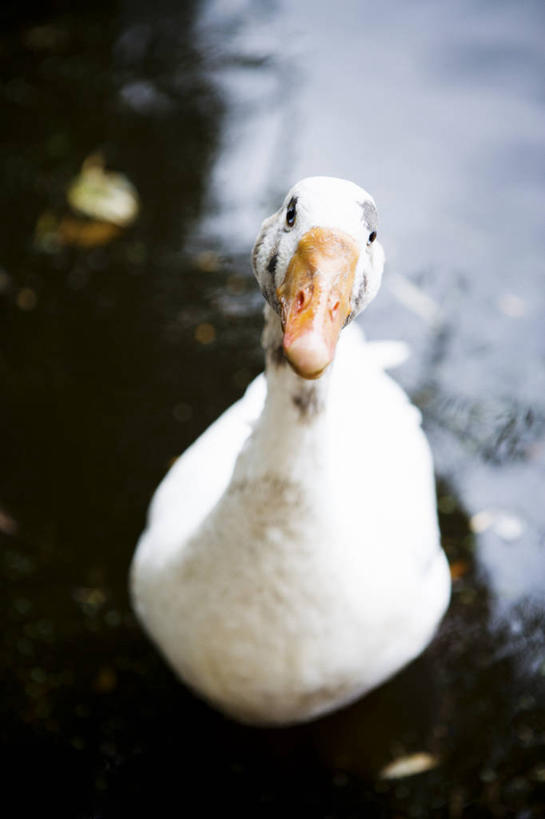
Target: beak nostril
[(335, 308), (300, 301)]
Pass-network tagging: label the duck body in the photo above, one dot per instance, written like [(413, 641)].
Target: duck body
[(292, 559)]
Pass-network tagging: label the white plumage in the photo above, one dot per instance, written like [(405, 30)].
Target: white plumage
[(292, 559)]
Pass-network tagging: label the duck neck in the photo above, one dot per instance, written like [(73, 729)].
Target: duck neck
[(292, 429)]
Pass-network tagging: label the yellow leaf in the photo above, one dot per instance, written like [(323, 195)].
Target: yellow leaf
[(409, 765), (84, 233), (205, 333), (458, 569), (103, 195)]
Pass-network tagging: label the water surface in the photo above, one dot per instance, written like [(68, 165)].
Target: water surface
[(116, 356)]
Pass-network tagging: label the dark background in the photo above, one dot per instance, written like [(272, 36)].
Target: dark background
[(107, 375)]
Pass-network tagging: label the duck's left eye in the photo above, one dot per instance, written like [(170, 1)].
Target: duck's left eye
[(372, 237), (290, 213)]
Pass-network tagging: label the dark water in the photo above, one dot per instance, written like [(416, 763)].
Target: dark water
[(211, 111)]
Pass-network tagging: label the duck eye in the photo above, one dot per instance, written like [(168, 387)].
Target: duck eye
[(372, 237), (290, 213)]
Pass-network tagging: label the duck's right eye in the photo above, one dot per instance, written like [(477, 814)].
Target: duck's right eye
[(290, 213)]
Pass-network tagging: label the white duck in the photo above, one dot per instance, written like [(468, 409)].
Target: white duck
[(292, 558)]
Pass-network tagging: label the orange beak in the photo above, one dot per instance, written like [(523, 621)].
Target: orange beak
[(315, 298)]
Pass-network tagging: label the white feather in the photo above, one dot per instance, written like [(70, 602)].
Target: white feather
[(292, 559)]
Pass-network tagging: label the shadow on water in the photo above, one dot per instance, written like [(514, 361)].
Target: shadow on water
[(109, 374)]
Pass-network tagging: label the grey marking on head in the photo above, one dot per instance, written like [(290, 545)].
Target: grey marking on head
[(358, 301), (257, 248), (269, 294), (271, 266), (308, 402), (369, 214), (362, 292)]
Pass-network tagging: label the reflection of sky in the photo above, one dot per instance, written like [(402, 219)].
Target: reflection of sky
[(437, 109)]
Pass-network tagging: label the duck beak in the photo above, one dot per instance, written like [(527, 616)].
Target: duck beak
[(315, 298)]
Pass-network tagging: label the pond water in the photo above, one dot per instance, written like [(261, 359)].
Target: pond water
[(120, 348)]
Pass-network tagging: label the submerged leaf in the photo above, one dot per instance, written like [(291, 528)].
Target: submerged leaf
[(51, 233), (205, 333), (458, 569), (7, 524), (84, 233)]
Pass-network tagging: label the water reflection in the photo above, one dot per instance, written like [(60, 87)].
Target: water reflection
[(440, 113)]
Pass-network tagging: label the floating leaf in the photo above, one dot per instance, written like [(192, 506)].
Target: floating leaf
[(205, 333), (409, 765), (103, 195), (458, 569), (208, 261), (84, 233), (7, 524), (26, 299), (51, 233), (504, 524)]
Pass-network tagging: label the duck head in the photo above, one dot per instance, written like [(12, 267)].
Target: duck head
[(318, 263)]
